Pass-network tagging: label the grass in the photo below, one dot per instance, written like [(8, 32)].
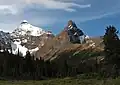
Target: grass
[(85, 54), (65, 81)]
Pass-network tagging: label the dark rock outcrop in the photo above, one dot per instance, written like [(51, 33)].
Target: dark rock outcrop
[(74, 33)]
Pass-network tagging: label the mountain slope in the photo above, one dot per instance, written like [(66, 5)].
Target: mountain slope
[(25, 37), (61, 47), (43, 43), (30, 37), (5, 41)]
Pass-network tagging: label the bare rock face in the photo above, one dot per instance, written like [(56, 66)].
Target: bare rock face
[(53, 45), (61, 48), (75, 34)]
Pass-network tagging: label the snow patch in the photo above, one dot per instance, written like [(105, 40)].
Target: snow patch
[(87, 37), (92, 45), (24, 41), (1, 50), (22, 49), (34, 50)]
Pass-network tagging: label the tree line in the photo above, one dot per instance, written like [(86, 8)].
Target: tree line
[(29, 68)]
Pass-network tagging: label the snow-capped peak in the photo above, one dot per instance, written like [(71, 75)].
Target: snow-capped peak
[(28, 37), (24, 21), (27, 29)]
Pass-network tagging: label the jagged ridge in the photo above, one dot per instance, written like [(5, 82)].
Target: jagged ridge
[(56, 46)]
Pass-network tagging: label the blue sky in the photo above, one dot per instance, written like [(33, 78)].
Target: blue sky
[(92, 16)]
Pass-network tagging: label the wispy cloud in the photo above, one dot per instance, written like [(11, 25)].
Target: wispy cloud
[(52, 4), (8, 6), (89, 18), (52, 13), (8, 9)]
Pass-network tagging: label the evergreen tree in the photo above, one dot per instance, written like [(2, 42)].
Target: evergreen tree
[(65, 68), (112, 45), (28, 55), (29, 63)]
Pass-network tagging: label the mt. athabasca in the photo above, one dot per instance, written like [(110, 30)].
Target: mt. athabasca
[(25, 37)]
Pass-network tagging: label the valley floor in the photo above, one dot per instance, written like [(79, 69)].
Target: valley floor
[(65, 81)]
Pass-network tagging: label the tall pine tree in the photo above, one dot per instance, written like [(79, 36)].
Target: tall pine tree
[(112, 45)]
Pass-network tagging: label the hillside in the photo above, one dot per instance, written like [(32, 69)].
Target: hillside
[(60, 48)]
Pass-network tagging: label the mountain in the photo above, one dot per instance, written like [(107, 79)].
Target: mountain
[(61, 48), (5, 41), (44, 44), (25, 37), (27, 29)]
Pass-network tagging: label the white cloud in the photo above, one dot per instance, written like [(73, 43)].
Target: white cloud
[(8, 9), (37, 11), (52, 4), (8, 6)]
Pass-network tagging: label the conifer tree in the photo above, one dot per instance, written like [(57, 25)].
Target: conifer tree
[(28, 61), (112, 45)]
